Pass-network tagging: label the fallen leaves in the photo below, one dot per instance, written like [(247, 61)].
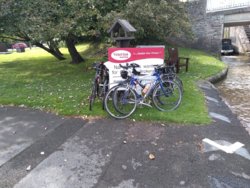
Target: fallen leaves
[(28, 168), (151, 156), (42, 152)]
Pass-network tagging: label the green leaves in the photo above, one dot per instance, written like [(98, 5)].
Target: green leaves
[(45, 20), (154, 20)]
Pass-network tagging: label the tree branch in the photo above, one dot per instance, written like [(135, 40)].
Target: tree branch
[(12, 38)]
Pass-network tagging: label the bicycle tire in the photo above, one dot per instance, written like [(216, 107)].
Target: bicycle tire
[(167, 96), (127, 100), (179, 81), (174, 78), (93, 95), (105, 89)]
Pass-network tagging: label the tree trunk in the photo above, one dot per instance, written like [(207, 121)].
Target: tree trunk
[(51, 51), (54, 45), (58, 51), (75, 56)]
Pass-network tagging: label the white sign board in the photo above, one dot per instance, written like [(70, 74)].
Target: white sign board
[(146, 57)]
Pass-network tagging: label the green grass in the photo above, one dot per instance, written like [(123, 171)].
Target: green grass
[(36, 79)]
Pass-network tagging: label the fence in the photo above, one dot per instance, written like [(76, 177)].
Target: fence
[(222, 5)]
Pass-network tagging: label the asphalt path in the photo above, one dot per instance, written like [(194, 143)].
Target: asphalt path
[(39, 149)]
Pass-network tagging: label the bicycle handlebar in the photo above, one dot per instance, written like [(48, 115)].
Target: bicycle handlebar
[(132, 65), (98, 66), (158, 66)]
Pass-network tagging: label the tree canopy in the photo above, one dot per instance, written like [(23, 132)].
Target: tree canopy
[(155, 20), (50, 21)]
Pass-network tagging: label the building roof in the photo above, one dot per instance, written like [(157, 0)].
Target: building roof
[(124, 24)]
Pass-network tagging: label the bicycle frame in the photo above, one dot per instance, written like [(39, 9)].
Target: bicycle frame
[(125, 98), (134, 80)]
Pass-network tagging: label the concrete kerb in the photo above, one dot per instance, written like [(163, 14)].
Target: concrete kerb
[(214, 79), (218, 77)]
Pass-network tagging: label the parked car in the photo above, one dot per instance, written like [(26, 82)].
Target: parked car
[(19, 45), (227, 47)]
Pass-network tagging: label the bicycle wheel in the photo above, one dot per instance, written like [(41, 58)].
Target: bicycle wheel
[(180, 83), (120, 102), (174, 78), (167, 96), (93, 95), (105, 89)]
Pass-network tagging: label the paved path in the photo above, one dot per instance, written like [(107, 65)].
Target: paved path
[(64, 152)]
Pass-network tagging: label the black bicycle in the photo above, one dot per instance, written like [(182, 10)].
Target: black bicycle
[(169, 73), (99, 84)]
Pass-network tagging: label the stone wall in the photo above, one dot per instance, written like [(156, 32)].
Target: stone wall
[(207, 27), (239, 39)]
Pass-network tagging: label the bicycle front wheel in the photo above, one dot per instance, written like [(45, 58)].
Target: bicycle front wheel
[(167, 95), (105, 89), (120, 102), (93, 95)]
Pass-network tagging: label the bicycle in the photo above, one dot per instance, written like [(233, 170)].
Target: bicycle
[(122, 100), (169, 73), (99, 84)]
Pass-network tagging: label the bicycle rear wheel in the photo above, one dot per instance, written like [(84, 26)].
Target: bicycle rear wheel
[(174, 78), (120, 102), (180, 83), (167, 95)]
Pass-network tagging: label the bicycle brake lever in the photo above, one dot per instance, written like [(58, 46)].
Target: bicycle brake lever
[(134, 65), (124, 67)]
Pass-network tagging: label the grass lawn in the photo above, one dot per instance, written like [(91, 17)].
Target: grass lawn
[(36, 79)]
